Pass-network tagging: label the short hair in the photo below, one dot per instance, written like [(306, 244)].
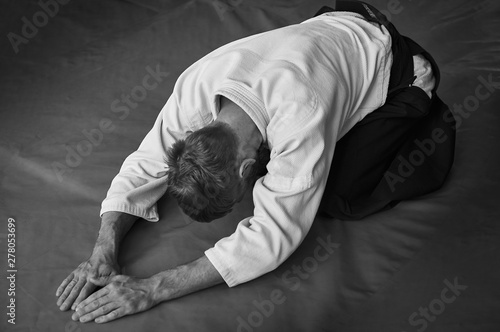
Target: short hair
[(202, 172)]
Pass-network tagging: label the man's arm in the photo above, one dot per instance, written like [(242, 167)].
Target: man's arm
[(135, 190), (103, 261), (124, 295)]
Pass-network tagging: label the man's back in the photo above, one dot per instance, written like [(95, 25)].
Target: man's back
[(334, 62)]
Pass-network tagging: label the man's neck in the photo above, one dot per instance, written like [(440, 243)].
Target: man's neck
[(248, 134)]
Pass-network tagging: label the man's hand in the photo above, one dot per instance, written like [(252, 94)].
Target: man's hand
[(78, 286), (103, 262), (122, 295)]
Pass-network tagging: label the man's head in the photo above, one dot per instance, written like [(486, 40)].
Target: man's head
[(208, 173)]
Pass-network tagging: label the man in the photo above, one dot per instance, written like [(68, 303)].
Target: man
[(295, 91)]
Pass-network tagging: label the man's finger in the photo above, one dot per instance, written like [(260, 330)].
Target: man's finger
[(86, 290), (67, 291), (73, 294), (102, 309), (94, 298), (63, 284), (117, 313)]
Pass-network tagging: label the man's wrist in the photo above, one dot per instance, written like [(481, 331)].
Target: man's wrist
[(184, 279), (166, 285), (114, 226), (107, 241), (105, 252)]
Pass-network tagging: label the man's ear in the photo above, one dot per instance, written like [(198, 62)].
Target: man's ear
[(186, 134), (246, 166)]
